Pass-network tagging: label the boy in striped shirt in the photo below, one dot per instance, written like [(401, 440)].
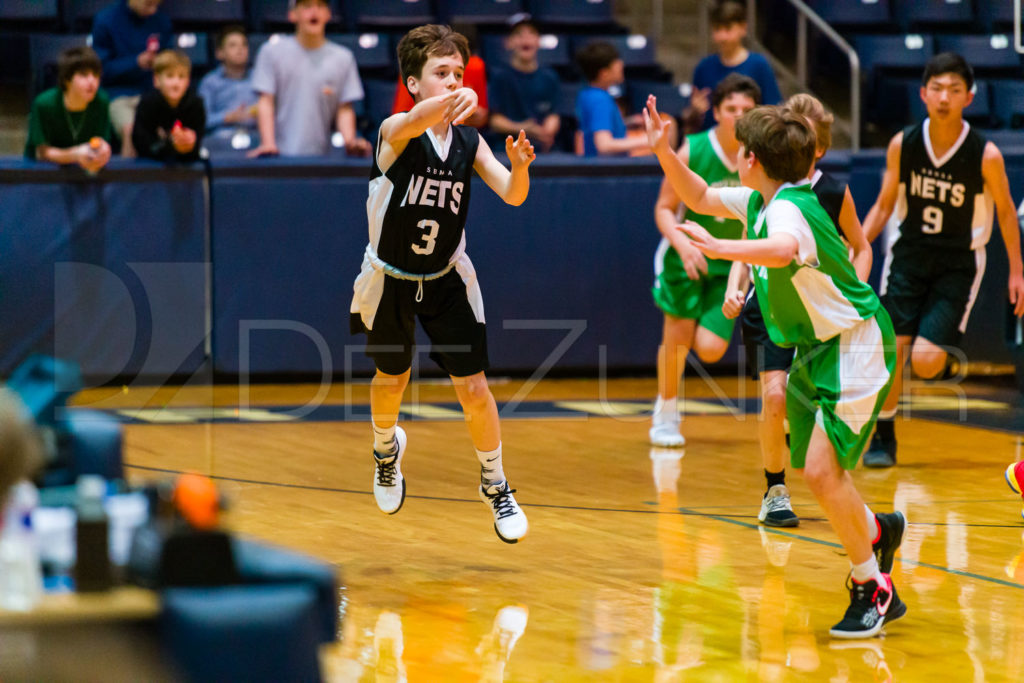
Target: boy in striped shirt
[(812, 300)]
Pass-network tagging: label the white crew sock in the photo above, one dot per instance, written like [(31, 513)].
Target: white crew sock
[(666, 410), (866, 571), (491, 471), (888, 414), (384, 441), (873, 527)]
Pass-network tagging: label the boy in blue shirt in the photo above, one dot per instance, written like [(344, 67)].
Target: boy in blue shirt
[(227, 90), (601, 123)]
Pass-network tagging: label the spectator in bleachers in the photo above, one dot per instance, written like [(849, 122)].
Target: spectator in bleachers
[(728, 30), (227, 90), (127, 36), (474, 77), (70, 124), (524, 96), (20, 451), (602, 126), (306, 84), (170, 120)]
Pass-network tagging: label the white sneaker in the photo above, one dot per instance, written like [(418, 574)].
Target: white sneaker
[(776, 508), (666, 435), (388, 483), (509, 519)]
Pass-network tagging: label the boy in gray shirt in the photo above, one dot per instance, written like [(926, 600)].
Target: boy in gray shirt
[(306, 83)]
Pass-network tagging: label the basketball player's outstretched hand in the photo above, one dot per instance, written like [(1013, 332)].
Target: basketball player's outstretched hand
[(1017, 295), (520, 152), (700, 238), (462, 104), (657, 129)]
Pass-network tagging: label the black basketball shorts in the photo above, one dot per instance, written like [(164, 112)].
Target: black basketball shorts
[(762, 353)]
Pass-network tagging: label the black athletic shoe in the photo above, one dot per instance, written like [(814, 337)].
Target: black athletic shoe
[(892, 525), (880, 453), (871, 605)]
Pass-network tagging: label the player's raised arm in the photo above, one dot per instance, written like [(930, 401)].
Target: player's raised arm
[(689, 186), (512, 186), (451, 107), (880, 212), (993, 170)]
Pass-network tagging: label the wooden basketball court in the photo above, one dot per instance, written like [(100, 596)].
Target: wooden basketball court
[(640, 565)]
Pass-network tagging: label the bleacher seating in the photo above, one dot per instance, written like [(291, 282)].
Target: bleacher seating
[(204, 14), (944, 14), (995, 15), (573, 13), (197, 47), (373, 52), (985, 53), (362, 14), (479, 12), (672, 99), (1008, 103), (78, 14), (380, 96), (43, 50), (29, 11), (853, 13)]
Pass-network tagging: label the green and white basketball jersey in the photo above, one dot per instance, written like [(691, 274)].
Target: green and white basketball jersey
[(809, 303), (708, 160)]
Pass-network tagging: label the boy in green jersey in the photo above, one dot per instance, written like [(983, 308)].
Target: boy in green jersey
[(812, 300), (689, 288)]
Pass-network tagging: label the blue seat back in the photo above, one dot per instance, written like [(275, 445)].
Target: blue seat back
[(205, 11), (572, 12), (1008, 102), (852, 12), (909, 51), (28, 10), (636, 51), (372, 13), (197, 47), (43, 51), (78, 14), (372, 51), (672, 99), (950, 13), (992, 52), (478, 11)]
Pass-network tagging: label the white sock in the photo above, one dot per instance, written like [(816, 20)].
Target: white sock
[(873, 528), (866, 571), (888, 414), (666, 410), (384, 439), (490, 466)]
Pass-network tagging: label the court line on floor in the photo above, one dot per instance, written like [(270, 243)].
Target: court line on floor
[(689, 512)]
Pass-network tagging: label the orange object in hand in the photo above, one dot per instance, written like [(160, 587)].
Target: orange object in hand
[(177, 125), (95, 142), (197, 500)]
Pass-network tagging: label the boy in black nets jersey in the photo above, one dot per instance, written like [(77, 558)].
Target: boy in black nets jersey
[(415, 265), (946, 178)]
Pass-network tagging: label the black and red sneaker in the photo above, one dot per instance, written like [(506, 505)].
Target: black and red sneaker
[(871, 606)]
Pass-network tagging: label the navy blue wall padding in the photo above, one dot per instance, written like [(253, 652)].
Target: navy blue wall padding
[(242, 633), (109, 273)]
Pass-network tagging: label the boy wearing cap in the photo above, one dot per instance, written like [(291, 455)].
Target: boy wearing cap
[(524, 95)]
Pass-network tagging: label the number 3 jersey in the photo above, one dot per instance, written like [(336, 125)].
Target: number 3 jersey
[(417, 209), (942, 202)]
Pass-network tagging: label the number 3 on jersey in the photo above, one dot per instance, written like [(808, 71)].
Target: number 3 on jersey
[(932, 217), (429, 239)]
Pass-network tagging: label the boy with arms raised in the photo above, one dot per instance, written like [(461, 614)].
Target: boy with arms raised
[(812, 300), (943, 178), (415, 265)]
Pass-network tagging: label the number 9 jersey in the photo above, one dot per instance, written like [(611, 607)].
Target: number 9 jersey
[(417, 209), (942, 202)]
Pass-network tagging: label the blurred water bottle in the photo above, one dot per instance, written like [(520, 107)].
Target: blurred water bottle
[(21, 578), (92, 559)]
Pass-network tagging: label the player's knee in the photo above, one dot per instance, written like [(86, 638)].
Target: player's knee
[(928, 363), (818, 477), (773, 398), (474, 391), (390, 384), (710, 348)]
